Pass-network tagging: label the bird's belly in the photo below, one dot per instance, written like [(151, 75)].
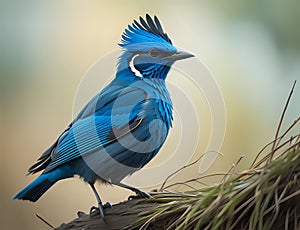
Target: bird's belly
[(123, 157), (101, 165)]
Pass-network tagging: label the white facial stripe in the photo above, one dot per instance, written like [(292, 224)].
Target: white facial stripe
[(132, 68)]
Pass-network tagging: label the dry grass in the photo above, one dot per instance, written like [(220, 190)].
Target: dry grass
[(266, 196)]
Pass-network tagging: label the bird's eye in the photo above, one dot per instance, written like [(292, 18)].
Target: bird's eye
[(154, 52)]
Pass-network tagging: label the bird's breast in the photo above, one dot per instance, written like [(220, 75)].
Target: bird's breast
[(162, 104)]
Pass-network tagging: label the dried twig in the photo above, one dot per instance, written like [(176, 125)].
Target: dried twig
[(44, 221), (162, 187), (281, 120)]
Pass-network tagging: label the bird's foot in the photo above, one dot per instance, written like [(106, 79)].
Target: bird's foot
[(100, 208), (143, 194), (139, 194), (107, 205)]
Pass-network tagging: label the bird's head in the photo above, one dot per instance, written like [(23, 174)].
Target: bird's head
[(147, 50)]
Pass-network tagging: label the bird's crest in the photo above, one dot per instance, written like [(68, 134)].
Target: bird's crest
[(139, 31)]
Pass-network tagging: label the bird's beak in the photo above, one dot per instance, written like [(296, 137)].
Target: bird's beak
[(179, 55)]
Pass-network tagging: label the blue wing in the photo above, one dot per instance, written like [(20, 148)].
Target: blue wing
[(99, 124)]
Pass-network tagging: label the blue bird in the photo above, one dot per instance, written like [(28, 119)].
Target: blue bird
[(124, 126)]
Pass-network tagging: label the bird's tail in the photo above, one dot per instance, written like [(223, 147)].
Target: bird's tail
[(36, 189)]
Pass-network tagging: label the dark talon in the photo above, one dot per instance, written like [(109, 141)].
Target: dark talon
[(107, 205), (80, 214), (100, 209), (139, 195), (143, 194), (92, 209), (132, 197)]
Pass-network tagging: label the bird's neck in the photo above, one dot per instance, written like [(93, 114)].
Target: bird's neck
[(156, 87), (125, 70)]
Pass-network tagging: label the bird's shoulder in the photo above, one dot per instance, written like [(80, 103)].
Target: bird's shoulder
[(115, 97)]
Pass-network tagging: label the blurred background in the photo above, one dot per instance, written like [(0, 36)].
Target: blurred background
[(46, 47)]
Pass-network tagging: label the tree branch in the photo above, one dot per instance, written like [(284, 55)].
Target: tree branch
[(118, 217)]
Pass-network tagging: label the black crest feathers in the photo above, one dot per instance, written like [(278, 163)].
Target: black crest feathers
[(152, 26)]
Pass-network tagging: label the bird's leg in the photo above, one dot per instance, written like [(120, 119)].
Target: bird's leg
[(100, 205), (138, 192)]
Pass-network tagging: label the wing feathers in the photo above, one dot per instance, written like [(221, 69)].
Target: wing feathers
[(90, 134)]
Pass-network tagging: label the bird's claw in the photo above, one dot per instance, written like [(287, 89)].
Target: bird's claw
[(140, 194), (100, 209), (107, 205), (143, 194)]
